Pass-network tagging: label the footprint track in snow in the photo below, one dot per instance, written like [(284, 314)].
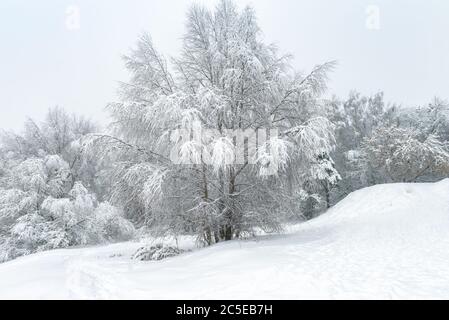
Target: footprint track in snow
[(88, 280)]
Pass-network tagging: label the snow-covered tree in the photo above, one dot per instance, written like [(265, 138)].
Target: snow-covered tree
[(356, 118), (43, 201), (31, 224), (228, 80), (404, 155), (56, 135), (324, 172)]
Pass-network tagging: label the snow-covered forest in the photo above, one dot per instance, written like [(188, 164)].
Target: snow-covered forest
[(223, 140), (66, 182)]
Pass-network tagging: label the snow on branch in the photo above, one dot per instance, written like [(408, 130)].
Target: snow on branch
[(273, 156), (315, 83), (315, 134)]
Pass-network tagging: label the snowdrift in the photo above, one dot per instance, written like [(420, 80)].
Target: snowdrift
[(384, 242)]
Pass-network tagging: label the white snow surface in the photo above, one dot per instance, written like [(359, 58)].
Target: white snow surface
[(384, 242)]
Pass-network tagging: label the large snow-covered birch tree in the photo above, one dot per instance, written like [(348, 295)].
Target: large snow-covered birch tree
[(234, 89)]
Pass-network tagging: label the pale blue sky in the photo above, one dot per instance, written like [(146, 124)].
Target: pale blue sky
[(43, 64)]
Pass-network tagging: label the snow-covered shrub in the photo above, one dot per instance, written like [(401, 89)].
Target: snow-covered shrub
[(33, 232), (48, 191), (404, 155), (323, 177), (83, 220), (58, 223), (156, 252), (15, 203), (30, 175), (40, 176), (72, 215), (112, 225), (58, 175)]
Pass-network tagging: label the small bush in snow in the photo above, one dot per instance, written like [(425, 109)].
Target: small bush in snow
[(112, 225), (77, 219), (156, 252)]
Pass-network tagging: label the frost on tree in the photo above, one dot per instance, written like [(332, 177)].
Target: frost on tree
[(44, 199), (402, 155), (225, 79)]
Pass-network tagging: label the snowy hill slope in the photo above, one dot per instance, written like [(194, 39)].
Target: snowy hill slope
[(387, 241)]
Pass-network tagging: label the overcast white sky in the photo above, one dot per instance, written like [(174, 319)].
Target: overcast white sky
[(43, 63)]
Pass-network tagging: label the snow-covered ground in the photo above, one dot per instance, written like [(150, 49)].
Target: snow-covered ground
[(383, 242)]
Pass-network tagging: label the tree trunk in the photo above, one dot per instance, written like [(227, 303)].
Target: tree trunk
[(230, 218), (228, 233), (327, 195)]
